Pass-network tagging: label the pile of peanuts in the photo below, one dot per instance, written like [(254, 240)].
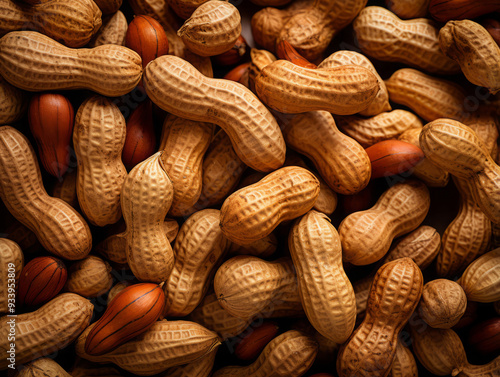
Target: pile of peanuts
[(320, 198)]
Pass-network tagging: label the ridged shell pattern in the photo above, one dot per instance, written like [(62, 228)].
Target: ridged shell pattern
[(341, 161), (146, 198), (13, 102), (394, 295), (59, 228), (290, 354), (98, 139), (166, 344), (201, 367), (367, 235), (384, 36), (48, 329), (184, 143), (184, 8), (72, 23), (44, 366), (429, 97), (253, 212), (456, 148), (177, 87), (35, 62), (113, 31), (199, 249), (346, 57), (289, 88), (327, 294), (90, 277), (384, 126), (10, 252), (247, 285)]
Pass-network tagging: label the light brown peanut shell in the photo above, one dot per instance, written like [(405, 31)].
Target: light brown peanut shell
[(384, 36), (201, 367), (98, 139), (212, 29), (109, 70), (42, 367), (59, 228), (90, 277), (13, 102), (429, 97), (46, 330), (407, 9), (384, 126), (367, 235), (380, 103), (164, 345), (184, 8), (473, 47), (442, 304), (253, 212), (404, 363), (11, 262), (340, 160), (113, 31), (177, 87), (145, 199), (289, 88)]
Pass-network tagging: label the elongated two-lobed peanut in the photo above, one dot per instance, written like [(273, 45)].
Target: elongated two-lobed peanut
[(59, 228), (177, 87), (109, 70)]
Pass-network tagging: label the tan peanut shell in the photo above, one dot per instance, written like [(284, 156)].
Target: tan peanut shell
[(481, 280), (221, 171), (362, 291), (340, 160), (258, 60), (487, 128), (253, 212), (367, 235), (457, 149), (98, 139), (177, 87), (440, 351), (164, 345), (11, 263), (394, 295), (442, 304), (422, 245), (117, 288), (113, 31), (90, 277), (380, 103), (69, 22), (246, 286), (46, 330), (13, 102), (212, 29), (404, 364), (384, 36), (184, 143), (42, 367), (109, 6), (425, 170), (210, 314), (199, 249), (325, 290), (289, 88), (466, 237), (184, 8), (201, 367), (473, 47), (429, 97), (267, 24), (146, 198), (114, 247), (384, 126), (65, 189), (59, 228), (109, 70), (289, 354), (407, 9), (262, 248)]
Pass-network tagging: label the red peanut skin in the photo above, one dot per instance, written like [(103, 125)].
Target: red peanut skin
[(41, 280), (485, 336), (391, 157), (147, 37), (51, 118), (252, 344), (140, 142), (445, 10)]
